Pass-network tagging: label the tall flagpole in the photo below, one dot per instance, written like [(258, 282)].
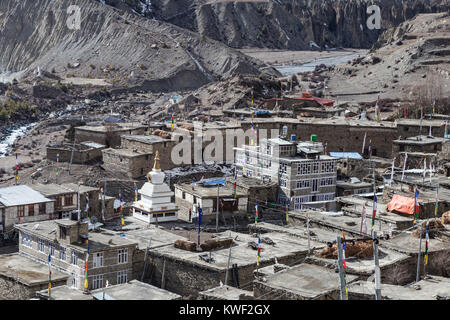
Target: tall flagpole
[(392, 172), (78, 205), (364, 143), (200, 211), (17, 169)]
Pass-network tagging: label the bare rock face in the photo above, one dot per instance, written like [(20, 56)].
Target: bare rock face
[(300, 24), (111, 44)]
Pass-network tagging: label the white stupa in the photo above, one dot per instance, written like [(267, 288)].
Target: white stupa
[(155, 204)]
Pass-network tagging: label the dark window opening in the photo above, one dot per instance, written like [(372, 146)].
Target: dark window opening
[(62, 232)]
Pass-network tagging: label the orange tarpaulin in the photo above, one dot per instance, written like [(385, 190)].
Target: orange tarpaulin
[(402, 204)]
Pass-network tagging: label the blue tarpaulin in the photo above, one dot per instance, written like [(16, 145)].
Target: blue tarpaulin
[(346, 155), (111, 119), (262, 112), (214, 182)]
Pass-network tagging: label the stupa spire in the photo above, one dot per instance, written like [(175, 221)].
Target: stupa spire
[(156, 164)]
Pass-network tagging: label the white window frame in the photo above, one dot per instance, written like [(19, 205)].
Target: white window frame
[(97, 261), (315, 167), (74, 280), (303, 184), (27, 240), (62, 254), (51, 249), (41, 245), (97, 281), (283, 168), (303, 168), (122, 256), (122, 276), (74, 258)]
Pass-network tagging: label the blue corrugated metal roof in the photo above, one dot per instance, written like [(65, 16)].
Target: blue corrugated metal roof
[(349, 155)]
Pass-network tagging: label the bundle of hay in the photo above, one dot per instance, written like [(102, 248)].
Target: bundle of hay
[(215, 243), (185, 245), (435, 227), (358, 250), (445, 219)]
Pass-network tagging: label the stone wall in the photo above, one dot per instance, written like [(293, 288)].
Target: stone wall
[(11, 215), (79, 156), (264, 291), (134, 166), (164, 148), (13, 290), (188, 278), (108, 138), (110, 262)]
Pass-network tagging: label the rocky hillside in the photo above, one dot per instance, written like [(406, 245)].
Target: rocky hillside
[(119, 47), (409, 62), (283, 24)]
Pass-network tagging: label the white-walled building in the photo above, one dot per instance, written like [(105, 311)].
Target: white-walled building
[(21, 204), (155, 203), (305, 175), (204, 194)]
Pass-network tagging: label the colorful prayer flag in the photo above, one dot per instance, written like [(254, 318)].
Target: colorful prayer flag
[(57, 164), (49, 273), (135, 192), (374, 209), (256, 211), (259, 251), (363, 220), (416, 206), (436, 203), (122, 220), (343, 250)]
